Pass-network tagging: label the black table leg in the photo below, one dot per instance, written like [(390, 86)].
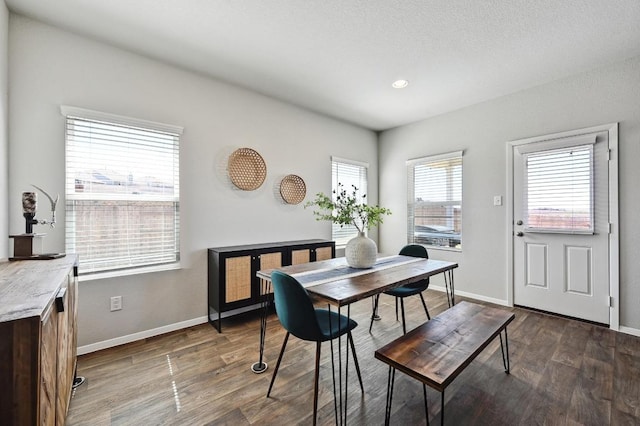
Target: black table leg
[(265, 288), (446, 287), (453, 292), (374, 303), (333, 372)]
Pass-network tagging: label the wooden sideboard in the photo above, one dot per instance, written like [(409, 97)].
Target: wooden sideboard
[(233, 286), (38, 316)]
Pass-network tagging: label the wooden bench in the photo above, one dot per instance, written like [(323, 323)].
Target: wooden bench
[(437, 351)]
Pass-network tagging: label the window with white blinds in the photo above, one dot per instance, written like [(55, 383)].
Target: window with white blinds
[(434, 201), (122, 192), (347, 173), (559, 190)]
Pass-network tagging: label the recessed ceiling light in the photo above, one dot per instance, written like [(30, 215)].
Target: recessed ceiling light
[(400, 84)]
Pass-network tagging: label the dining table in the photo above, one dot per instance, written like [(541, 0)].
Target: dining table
[(340, 285)]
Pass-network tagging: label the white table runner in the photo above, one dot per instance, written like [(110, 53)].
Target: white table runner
[(322, 276)]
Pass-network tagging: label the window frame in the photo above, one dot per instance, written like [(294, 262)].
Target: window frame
[(451, 200), (71, 113)]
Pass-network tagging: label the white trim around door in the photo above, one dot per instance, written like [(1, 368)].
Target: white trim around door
[(614, 270)]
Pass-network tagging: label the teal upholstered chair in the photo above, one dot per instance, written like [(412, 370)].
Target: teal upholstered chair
[(414, 250), (299, 317)]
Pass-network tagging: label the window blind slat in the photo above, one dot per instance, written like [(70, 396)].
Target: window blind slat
[(122, 195), (559, 190)]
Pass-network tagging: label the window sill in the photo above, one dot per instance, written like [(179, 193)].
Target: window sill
[(458, 250), (128, 272)]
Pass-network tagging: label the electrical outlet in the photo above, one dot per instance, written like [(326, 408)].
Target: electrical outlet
[(116, 303)]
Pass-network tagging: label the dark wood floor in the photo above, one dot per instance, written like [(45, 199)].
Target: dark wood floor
[(563, 372)]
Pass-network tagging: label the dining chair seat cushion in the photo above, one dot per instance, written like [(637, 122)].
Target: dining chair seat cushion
[(409, 289), (332, 324)]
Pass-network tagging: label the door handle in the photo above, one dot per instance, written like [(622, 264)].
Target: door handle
[(519, 222), (520, 234)]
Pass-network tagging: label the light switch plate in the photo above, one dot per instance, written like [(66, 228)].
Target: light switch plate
[(116, 303), (497, 200)]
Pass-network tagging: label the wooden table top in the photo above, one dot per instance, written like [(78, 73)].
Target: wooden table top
[(343, 291), (437, 351)]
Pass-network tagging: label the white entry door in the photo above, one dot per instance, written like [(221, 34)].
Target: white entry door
[(561, 225)]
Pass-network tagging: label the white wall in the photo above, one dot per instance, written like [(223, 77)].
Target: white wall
[(606, 95), (49, 67), (4, 145)]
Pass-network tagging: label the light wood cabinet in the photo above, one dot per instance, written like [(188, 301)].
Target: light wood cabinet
[(38, 317), (233, 287)]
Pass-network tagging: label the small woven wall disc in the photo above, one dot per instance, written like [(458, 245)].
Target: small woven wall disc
[(293, 189)]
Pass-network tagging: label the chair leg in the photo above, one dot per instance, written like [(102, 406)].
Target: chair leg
[(315, 383), (404, 323), (375, 310), (397, 309), (275, 371), (425, 306), (355, 359)]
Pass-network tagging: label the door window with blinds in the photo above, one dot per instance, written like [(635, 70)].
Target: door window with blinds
[(122, 192), (559, 190), (434, 201), (350, 174)]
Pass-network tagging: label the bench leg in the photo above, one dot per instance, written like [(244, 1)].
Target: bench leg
[(426, 407), (391, 378), (505, 359)]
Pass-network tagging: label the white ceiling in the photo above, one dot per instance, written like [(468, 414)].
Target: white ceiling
[(339, 57)]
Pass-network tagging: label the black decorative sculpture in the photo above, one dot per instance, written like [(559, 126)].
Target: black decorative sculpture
[(30, 206)]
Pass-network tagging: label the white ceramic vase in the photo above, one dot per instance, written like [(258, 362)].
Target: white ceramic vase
[(361, 252)]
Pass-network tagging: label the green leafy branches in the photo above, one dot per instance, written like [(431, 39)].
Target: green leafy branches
[(346, 210)]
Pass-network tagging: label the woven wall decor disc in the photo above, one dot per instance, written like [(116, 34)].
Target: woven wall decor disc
[(293, 189), (247, 169)]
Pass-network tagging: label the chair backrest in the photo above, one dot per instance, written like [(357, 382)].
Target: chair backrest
[(294, 308), (416, 250)]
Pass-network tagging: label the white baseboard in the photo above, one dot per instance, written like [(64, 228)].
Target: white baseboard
[(82, 350), (473, 296), (629, 330)]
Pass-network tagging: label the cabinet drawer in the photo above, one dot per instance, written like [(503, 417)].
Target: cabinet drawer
[(324, 253), (270, 261), (238, 278), (300, 256)]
